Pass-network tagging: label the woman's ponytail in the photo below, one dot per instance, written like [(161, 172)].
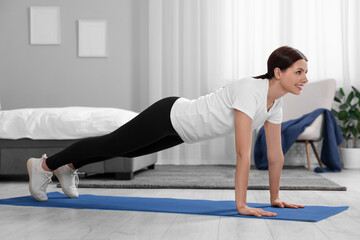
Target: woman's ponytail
[(264, 76)]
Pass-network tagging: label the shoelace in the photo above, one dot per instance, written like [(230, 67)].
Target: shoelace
[(46, 178), (74, 177), (46, 181)]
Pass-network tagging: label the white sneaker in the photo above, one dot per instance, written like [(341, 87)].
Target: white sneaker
[(69, 180), (39, 178)]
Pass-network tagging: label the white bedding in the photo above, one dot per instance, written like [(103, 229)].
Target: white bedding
[(61, 123)]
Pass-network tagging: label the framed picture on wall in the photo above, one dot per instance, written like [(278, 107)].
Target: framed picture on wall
[(45, 26), (92, 36)]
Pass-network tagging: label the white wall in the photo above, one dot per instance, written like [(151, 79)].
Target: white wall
[(53, 76)]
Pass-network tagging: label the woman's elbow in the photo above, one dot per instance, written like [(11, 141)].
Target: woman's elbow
[(278, 158), (242, 155)]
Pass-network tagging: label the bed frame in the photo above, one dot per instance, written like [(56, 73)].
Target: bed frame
[(15, 153)]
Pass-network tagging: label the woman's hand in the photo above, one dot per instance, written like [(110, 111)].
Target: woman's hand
[(257, 212), (282, 204)]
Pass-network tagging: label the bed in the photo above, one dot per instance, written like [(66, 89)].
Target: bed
[(31, 132)]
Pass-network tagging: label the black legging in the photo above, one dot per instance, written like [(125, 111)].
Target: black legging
[(150, 131)]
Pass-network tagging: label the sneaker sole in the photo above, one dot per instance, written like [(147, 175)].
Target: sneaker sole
[(29, 167), (61, 183)]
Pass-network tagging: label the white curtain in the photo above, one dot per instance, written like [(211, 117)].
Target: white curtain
[(196, 46)]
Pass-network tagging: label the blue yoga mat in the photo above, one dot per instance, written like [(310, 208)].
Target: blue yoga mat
[(172, 205)]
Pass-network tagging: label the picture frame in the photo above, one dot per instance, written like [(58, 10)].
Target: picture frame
[(92, 38), (45, 25)]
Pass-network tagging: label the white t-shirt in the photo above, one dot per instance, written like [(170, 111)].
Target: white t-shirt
[(212, 115)]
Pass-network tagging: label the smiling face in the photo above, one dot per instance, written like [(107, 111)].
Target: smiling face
[(293, 78)]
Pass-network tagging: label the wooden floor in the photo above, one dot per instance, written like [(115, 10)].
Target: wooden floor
[(52, 223)]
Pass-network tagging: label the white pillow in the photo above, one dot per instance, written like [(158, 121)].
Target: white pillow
[(61, 123)]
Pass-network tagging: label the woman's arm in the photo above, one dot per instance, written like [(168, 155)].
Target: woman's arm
[(276, 161), (275, 157), (243, 149), (243, 133)]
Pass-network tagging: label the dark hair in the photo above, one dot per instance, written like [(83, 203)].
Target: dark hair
[(282, 58)]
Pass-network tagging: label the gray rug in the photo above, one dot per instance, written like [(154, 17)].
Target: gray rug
[(211, 177)]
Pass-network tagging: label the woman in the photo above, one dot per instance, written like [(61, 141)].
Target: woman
[(240, 106)]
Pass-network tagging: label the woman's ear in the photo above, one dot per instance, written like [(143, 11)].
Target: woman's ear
[(277, 73)]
